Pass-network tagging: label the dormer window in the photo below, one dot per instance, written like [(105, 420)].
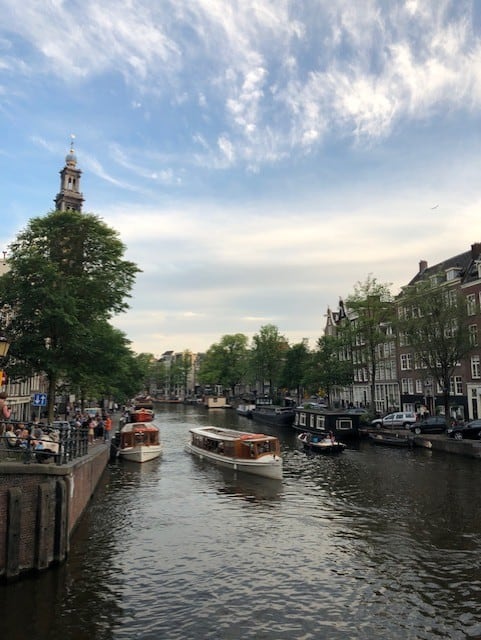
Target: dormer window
[(452, 273)]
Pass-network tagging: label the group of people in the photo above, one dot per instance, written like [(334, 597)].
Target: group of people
[(98, 427), (40, 438), (31, 438)]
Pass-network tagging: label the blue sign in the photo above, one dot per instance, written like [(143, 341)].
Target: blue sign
[(40, 400)]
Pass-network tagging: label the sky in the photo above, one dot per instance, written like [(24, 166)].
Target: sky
[(258, 158)]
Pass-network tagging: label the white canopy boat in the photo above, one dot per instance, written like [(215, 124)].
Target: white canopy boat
[(139, 442), (239, 450)]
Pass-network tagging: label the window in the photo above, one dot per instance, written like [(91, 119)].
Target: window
[(410, 386), (476, 367), (473, 335), (406, 361), (456, 385), (404, 385), (471, 304), (403, 339), (452, 273), (419, 386)]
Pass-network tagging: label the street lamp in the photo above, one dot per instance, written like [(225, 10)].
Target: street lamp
[(4, 346)]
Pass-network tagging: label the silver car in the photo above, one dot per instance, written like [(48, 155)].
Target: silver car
[(395, 420)]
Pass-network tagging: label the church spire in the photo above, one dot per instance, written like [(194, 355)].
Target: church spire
[(69, 197)]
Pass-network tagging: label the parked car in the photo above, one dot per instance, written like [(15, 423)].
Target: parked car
[(468, 430), (395, 420), (433, 424)]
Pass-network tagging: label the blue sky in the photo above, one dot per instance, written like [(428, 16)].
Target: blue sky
[(257, 157)]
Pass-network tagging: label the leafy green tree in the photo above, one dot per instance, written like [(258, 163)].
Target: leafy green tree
[(226, 363), (326, 369), (268, 354), (66, 273), (433, 320), (371, 310), (296, 364)]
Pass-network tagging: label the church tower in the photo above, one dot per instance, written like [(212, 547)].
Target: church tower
[(69, 197)]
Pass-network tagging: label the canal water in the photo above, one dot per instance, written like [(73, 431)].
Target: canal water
[(375, 543)]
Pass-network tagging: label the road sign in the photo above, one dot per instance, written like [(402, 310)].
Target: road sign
[(39, 400)]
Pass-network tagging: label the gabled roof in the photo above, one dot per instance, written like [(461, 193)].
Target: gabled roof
[(465, 263)]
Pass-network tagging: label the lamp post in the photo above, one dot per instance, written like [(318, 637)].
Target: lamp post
[(4, 346)]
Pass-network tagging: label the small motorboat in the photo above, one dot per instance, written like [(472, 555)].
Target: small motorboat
[(391, 439), (139, 442), (321, 443)]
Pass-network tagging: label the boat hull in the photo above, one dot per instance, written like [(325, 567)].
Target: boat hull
[(390, 440), (266, 467), (141, 453)]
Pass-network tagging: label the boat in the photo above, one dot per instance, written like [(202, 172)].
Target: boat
[(316, 420), (215, 402), (273, 415), (254, 453), (245, 409), (390, 439), (322, 443), (139, 442), (142, 410)]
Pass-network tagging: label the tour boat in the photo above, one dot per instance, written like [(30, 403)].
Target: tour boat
[(238, 450), (325, 443), (139, 442), (141, 414)]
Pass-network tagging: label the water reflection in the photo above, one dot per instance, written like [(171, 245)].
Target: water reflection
[(369, 544)]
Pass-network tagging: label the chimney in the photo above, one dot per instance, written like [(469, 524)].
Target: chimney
[(475, 250), (423, 265)]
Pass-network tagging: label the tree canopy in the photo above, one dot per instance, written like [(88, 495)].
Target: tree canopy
[(66, 275)]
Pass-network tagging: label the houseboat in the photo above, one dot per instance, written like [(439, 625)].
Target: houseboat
[(138, 442), (215, 402), (268, 413), (316, 420), (254, 453)]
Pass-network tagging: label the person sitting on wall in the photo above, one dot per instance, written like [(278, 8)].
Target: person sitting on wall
[(10, 436), (5, 411)]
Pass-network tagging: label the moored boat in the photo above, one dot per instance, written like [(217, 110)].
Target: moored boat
[(390, 439), (343, 424), (254, 453), (325, 443), (245, 409), (273, 415), (139, 442)]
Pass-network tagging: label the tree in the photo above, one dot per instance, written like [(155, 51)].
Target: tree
[(370, 311), (433, 321), (226, 362), (66, 273), (326, 369), (295, 368), (268, 353)]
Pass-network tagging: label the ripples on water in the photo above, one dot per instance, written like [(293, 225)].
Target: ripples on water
[(375, 543)]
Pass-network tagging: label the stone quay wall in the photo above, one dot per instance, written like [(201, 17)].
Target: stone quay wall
[(40, 505)]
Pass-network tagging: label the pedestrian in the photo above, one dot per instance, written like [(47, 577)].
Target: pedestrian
[(107, 428)]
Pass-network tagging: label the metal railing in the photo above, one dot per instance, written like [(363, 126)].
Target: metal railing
[(60, 445)]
